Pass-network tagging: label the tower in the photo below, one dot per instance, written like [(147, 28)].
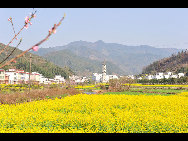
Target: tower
[(104, 79)]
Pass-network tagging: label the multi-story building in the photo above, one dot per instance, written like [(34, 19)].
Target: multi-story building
[(112, 77), (159, 76), (96, 77), (150, 77), (59, 79), (13, 76), (37, 77), (20, 76), (181, 75), (104, 78), (166, 75)]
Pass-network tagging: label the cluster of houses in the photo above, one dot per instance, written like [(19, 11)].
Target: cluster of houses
[(78, 79), (99, 77), (162, 75), (15, 76)]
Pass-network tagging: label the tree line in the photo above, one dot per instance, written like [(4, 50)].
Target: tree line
[(182, 80)]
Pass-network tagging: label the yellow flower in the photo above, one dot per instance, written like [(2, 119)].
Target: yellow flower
[(84, 113)]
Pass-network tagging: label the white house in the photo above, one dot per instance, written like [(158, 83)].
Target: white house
[(83, 79), (2, 76), (149, 77), (131, 76), (167, 75), (13, 76), (140, 78), (96, 77), (174, 76), (73, 77), (59, 79), (159, 75), (26, 77), (50, 81), (43, 80), (112, 77), (181, 75)]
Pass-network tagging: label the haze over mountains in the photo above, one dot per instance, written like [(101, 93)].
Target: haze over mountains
[(84, 57)]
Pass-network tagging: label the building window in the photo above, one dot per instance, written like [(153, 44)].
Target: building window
[(2, 77)]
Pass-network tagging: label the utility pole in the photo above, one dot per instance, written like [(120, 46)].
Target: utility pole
[(29, 75)]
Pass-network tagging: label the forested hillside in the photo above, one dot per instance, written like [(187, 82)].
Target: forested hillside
[(39, 64), (127, 59), (175, 63), (80, 65)]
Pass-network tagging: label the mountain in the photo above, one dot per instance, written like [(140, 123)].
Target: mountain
[(175, 63), (80, 65), (127, 59), (39, 64)]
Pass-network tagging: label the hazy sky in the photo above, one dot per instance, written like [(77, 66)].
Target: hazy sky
[(158, 27)]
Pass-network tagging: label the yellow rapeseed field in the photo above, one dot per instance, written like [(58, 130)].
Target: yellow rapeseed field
[(98, 113)]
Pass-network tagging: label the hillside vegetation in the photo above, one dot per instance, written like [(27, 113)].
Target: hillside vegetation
[(39, 64), (122, 59), (175, 63), (80, 65)]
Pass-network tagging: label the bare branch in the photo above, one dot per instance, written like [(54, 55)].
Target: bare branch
[(11, 52), (25, 26), (53, 30)]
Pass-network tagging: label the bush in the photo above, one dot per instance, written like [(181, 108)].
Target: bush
[(120, 85)]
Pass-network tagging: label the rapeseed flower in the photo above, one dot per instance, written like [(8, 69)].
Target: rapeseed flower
[(84, 113)]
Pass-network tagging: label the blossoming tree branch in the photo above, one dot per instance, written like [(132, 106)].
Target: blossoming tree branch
[(34, 47), (27, 21)]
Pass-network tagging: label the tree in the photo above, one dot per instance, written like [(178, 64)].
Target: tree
[(34, 47), (121, 84)]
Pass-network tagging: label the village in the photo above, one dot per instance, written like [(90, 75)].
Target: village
[(161, 75), (16, 76)]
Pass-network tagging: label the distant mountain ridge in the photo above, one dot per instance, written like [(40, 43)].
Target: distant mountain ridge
[(126, 59)]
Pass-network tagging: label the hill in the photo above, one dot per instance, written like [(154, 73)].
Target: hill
[(127, 59), (39, 64), (80, 65), (175, 63)]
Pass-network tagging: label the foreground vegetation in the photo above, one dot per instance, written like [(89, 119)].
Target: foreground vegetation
[(111, 108), (19, 93), (98, 113)]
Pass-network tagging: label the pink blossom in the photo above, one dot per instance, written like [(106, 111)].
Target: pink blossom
[(50, 31), (54, 31), (35, 48), (9, 19), (27, 19), (34, 15), (26, 26)]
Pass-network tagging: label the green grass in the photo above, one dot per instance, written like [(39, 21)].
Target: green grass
[(161, 90), (150, 91), (135, 93), (58, 96)]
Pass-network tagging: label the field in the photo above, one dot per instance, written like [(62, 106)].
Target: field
[(139, 110)]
